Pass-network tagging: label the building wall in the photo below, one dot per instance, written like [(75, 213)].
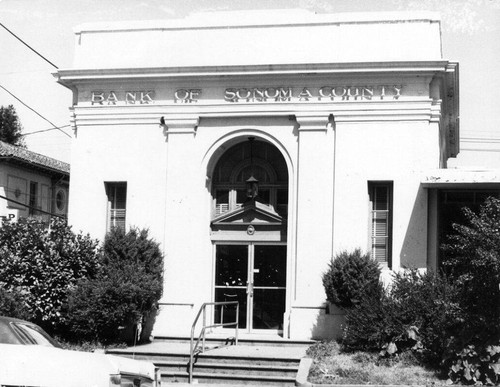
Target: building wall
[(338, 126), (15, 184)]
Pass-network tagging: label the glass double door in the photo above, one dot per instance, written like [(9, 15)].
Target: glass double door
[(255, 275)]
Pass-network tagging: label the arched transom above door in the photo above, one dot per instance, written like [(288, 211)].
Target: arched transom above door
[(233, 208)]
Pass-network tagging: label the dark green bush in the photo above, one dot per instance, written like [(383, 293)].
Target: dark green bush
[(350, 278), (12, 304), (125, 292), (366, 328), (449, 320), (428, 302), (419, 312), (472, 261), (475, 366), (43, 262)]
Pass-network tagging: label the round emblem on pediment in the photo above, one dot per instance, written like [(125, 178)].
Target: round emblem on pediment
[(250, 230)]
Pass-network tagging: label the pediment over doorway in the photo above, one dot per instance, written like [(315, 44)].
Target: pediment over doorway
[(254, 213)]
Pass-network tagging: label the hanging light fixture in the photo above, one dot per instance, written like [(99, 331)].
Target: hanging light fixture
[(252, 184)]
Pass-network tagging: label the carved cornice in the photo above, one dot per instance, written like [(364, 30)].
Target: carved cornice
[(77, 76)]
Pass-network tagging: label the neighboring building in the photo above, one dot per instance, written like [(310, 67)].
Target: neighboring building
[(31, 184), (346, 122)]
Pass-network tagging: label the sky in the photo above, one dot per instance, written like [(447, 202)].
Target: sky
[(470, 35)]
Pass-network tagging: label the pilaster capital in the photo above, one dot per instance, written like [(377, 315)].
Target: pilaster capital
[(179, 124), (316, 122)]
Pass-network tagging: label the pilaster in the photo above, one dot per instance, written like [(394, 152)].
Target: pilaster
[(314, 206), (183, 182)]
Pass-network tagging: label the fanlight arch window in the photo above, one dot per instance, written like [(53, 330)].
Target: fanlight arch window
[(235, 166)]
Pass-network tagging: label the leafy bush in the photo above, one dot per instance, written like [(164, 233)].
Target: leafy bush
[(125, 292), (43, 262), (472, 260), (12, 304), (450, 320), (473, 366), (350, 278), (428, 302), (418, 312), (366, 324)]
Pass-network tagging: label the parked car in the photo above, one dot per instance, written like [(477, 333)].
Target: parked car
[(30, 357)]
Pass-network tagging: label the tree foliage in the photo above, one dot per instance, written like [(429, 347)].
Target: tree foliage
[(417, 312), (42, 263), (351, 277), (472, 260), (10, 127), (125, 292)]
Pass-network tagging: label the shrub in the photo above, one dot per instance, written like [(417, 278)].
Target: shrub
[(473, 366), (125, 292), (428, 302), (12, 304), (350, 278), (419, 312), (43, 262), (472, 260)]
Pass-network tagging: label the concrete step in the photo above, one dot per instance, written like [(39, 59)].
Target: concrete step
[(236, 364), (231, 368), (251, 340), (210, 359), (210, 378)]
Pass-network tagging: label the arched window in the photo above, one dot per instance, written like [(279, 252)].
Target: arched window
[(235, 166)]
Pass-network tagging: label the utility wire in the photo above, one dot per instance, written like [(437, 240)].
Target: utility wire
[(33, 110), (27, 45), (45, 130)]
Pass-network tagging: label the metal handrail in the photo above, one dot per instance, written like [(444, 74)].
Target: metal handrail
[(193, 346)]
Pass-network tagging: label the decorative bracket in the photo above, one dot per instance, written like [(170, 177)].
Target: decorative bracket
[(179, 125), (313, 122)]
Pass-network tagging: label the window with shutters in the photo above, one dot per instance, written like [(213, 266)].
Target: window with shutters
[(381, 221), (117, 205)]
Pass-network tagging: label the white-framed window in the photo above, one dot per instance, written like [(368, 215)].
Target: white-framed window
[(381, 221), (117, 205)]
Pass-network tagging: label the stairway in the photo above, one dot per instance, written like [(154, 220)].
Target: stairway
[(253, 361)]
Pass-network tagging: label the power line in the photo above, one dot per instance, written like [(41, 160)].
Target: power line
[(27, 45), (33, 110), (44, 130)]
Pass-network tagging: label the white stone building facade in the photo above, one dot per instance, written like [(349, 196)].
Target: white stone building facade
[(345, 121)]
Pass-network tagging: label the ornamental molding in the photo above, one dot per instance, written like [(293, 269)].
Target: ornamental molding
[(179, 125)]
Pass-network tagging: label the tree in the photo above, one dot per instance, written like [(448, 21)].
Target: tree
[(40, 264), (121, 302), (472, 261), (10, 127)]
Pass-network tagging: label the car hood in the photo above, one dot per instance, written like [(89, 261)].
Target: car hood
[(35, 365)]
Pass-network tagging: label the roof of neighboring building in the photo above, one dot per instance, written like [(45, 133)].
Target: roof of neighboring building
[(33, 159)]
